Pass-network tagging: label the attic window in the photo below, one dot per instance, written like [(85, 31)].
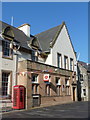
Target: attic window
[(8, 32), (35, 43)]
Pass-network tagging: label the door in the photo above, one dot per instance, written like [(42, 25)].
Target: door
[(73, 93), (35, 101)]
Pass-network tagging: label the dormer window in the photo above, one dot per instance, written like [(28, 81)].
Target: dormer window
[(6, 51)]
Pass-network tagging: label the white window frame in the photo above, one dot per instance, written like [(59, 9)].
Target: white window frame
[(5, 47), (71, 64), (59, 60), (65, 62), (59, 80), (36, 75), (7, 92)]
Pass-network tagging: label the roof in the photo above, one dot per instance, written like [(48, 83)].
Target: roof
[(46, 37), (85, 65), (19, 35)]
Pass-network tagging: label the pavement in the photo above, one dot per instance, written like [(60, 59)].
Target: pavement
[(70, 110)]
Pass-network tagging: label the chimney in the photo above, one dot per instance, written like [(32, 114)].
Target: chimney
[(25, 28)]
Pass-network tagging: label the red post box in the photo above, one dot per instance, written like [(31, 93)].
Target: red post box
[(18, 97)]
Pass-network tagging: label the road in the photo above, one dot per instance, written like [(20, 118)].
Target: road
[(70, 110)]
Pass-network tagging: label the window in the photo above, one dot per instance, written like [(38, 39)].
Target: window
[(59, 62), (58, 81), (71, 64), (34, 78), (35, 89), (67, 90), (67, 87), (47, 90), (34, 56), (65, 62), (5, 83), (84, 92), (58, 89), (81, 77), (35, 83), (7, 52)]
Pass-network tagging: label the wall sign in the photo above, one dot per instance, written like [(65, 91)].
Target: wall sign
[(46, 77)]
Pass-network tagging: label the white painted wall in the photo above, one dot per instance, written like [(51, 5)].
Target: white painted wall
[(62, 46), (49, 58), (10, 65)]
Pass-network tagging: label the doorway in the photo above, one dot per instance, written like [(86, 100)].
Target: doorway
[(73, 93)]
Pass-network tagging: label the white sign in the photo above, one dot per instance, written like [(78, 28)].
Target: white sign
[(46, 77)]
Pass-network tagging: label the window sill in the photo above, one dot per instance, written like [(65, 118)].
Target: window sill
[(67, 95), (5, 57), (5, 97), (35, 83)]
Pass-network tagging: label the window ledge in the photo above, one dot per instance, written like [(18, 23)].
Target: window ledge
[(5, 57)]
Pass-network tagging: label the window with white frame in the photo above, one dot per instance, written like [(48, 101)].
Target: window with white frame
[(59, 60), (34, 78), (7, 52), (58, 82), (5, 84), (65, 62), (67, 87), (71, 64)]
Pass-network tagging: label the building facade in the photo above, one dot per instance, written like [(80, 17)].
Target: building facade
[(83, 84), (45, 64)]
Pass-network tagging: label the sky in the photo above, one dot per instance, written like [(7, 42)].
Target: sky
[(45, 15)]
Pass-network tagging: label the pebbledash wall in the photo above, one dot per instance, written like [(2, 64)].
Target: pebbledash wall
[(29, 67)]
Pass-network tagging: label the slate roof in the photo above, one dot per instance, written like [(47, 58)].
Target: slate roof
[(46, 37), (85, 65), (49, 37), (19, 35)]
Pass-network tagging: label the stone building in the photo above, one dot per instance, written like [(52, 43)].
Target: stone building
[(45, 64), (83, 84)]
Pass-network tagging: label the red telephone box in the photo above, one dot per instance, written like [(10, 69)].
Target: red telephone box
[(19, 97)]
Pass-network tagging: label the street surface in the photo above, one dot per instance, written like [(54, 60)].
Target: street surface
[(70, 110)]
